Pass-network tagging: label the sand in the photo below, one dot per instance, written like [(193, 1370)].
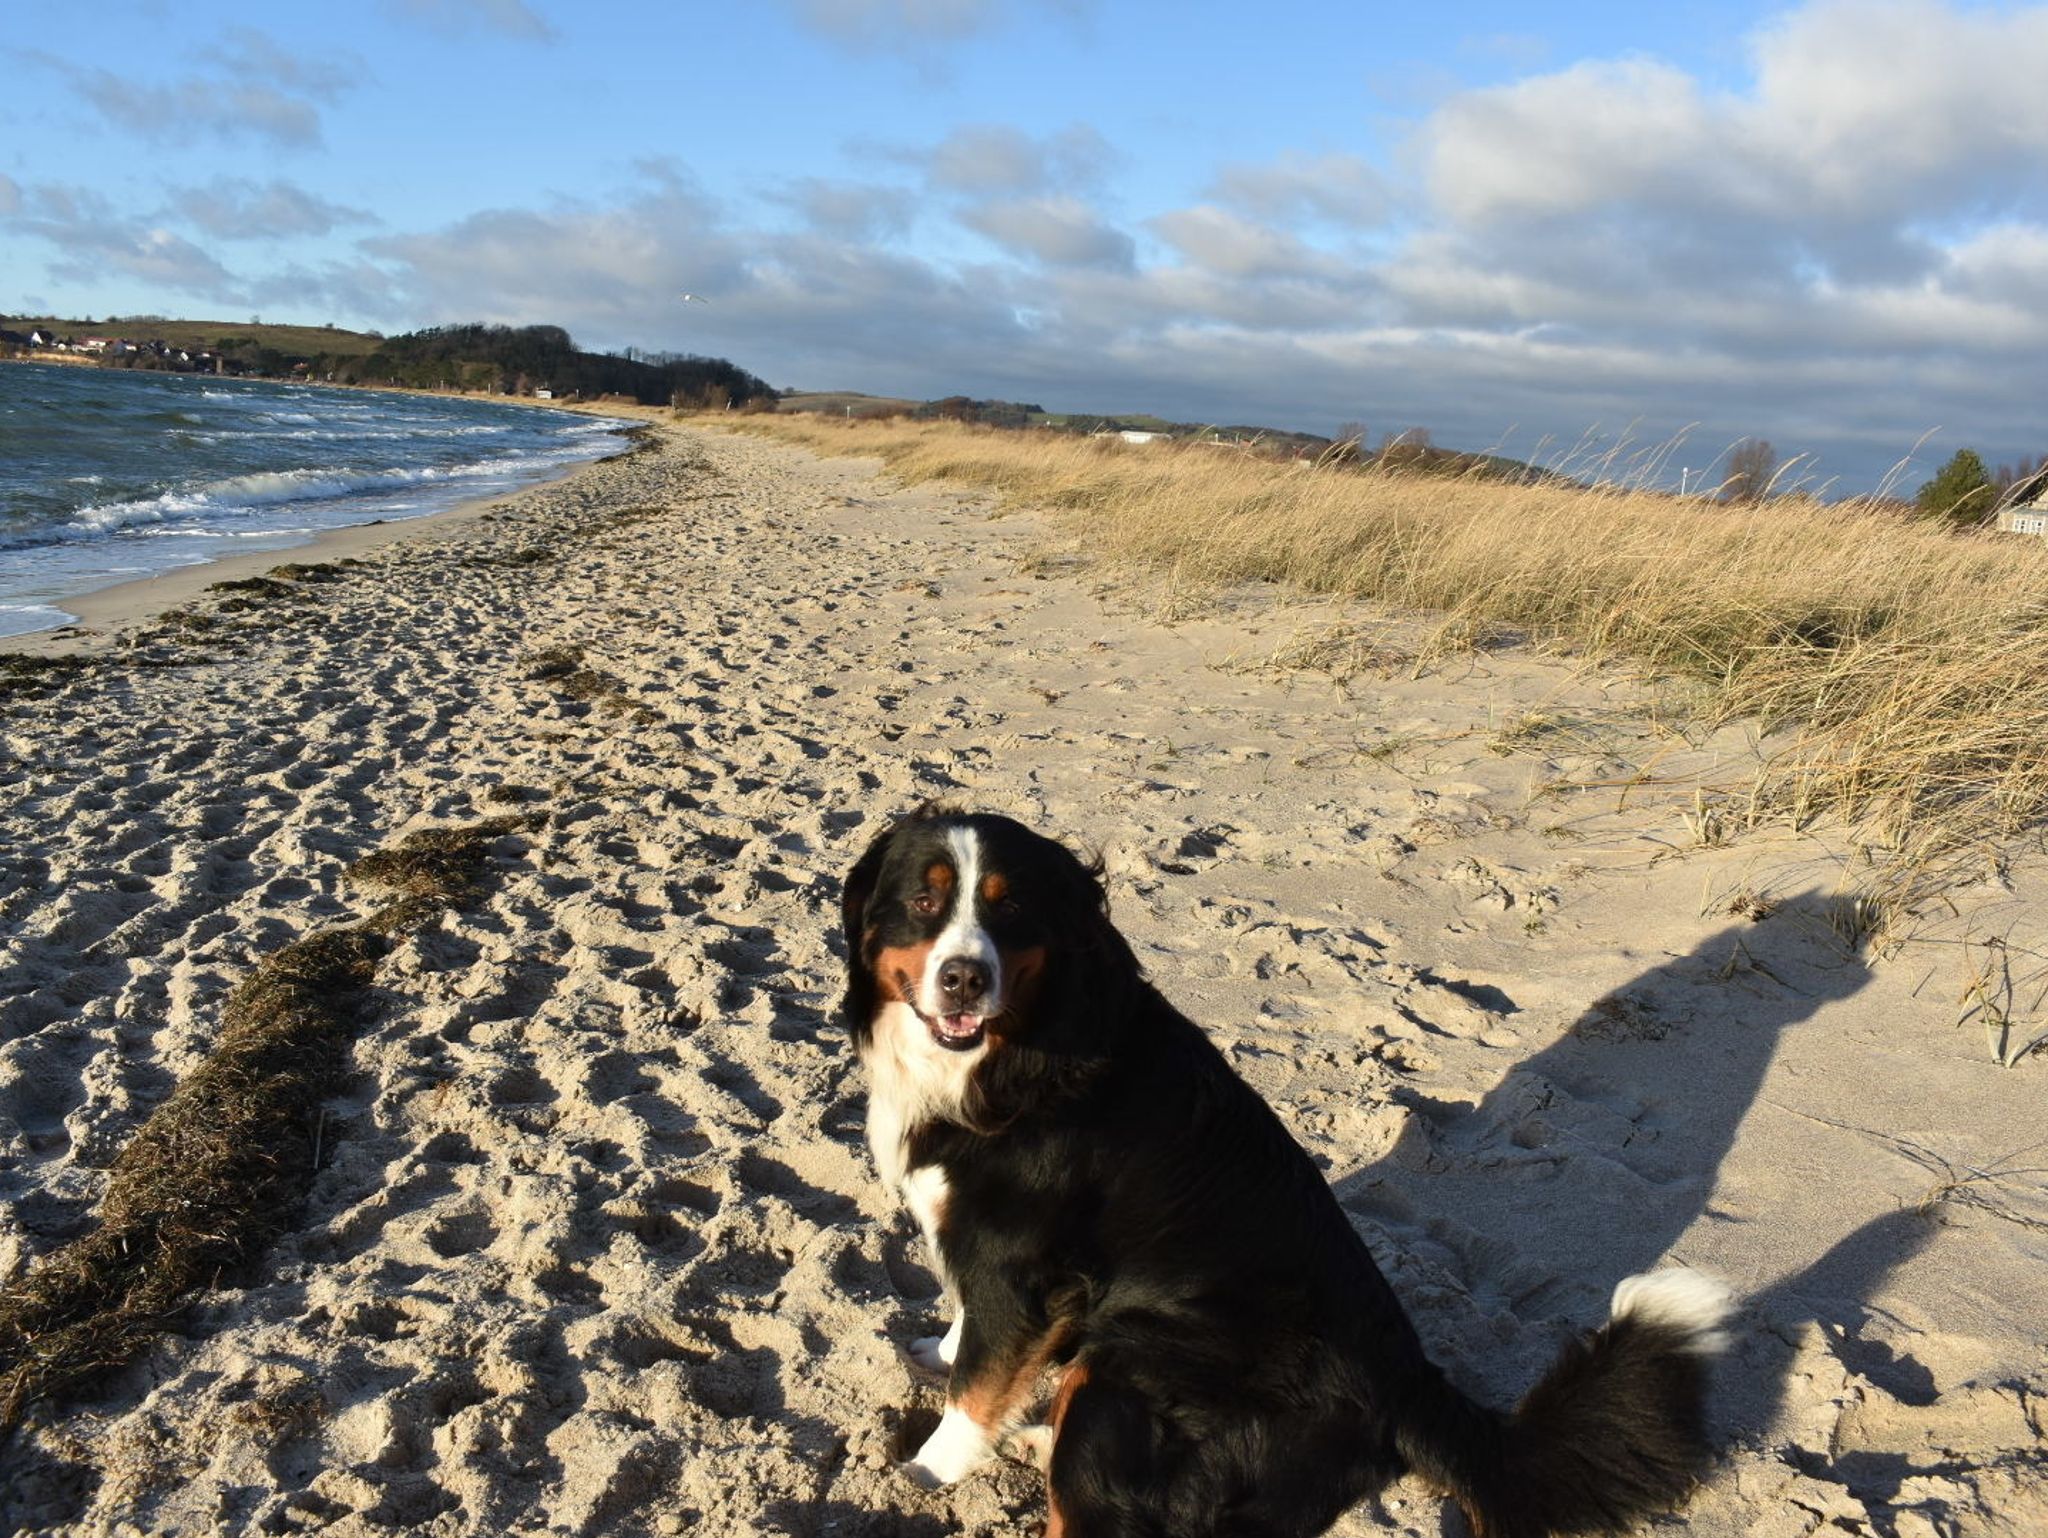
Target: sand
[(593, 1246)]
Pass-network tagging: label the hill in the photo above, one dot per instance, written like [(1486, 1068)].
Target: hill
[(524, 360), (503, 360), (213, 335)]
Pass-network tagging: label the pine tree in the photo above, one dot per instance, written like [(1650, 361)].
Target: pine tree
[(1961, 490)]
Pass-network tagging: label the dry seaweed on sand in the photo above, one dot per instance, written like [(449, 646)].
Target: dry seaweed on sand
[(212, 1176), (24, 677)]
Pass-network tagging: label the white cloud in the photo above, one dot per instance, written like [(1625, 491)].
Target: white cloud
[(992, 159), (238, 209), (1222, 242), (1063, 231), (1861, 111), (255, 89), (911, 26), (1590, 136), (1881, 106), (514, 18), (854, 210), (1342, 189), (94, 242)]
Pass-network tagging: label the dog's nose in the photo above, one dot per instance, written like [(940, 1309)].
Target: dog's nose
[(962, 982)]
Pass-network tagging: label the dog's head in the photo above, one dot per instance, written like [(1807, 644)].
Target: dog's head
[(989, 936)]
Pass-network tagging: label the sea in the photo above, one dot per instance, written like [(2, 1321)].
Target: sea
[(108, 475)]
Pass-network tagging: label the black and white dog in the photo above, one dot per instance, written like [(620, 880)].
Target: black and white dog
[(1104, 1197)]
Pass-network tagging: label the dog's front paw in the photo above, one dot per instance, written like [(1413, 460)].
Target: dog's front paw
[(935, 1353), (956, 1449)]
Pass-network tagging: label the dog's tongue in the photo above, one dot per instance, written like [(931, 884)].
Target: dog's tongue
[(958, 1026)]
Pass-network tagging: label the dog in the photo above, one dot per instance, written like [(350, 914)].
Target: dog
[(1104, 1197)]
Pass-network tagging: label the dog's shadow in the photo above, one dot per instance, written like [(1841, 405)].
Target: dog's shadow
[(1505, 1224)]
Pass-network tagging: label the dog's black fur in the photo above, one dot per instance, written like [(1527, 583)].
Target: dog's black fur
[(1124, 1208)]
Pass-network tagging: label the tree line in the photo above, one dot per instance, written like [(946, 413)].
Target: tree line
[(522, 359), (1964, 491)]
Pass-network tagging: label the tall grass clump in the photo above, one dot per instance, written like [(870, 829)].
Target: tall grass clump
[(1907, 659)]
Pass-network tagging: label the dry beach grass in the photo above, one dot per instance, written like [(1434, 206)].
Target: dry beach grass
[(1906, 659), (580, 1235)]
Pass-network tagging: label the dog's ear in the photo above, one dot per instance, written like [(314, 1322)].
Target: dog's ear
[(857, 1006), (1089, 894), (859, 890), (1102, 967)]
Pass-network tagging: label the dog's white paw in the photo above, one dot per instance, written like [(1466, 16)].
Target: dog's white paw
[(935, 1353), (956, 1449)]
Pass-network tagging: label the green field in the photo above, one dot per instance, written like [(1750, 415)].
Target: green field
[(839, 401), (210, 335)]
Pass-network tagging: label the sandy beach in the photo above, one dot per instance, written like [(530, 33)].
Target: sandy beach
[(592, 1245)]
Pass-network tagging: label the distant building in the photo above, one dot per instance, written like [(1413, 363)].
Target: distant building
[(2029, 519)]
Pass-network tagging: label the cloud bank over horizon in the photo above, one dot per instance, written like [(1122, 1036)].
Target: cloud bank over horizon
[(1835, 238)]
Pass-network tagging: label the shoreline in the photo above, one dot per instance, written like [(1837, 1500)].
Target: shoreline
[(102, 612)]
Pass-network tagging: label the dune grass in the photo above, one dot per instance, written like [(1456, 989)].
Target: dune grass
[(1909, 661)]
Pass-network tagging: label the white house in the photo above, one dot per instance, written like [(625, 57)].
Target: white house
[(2030, 519)]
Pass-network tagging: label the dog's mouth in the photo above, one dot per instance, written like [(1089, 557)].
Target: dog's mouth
[(961, 1032), (956, 1033)]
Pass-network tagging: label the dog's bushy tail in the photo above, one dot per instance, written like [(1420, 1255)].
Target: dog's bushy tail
[(1614, 1433)]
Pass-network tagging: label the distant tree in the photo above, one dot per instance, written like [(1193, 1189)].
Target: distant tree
[(2018, 484), (1347, 447), (1961, 490), (1410, 447), (1752, 465)]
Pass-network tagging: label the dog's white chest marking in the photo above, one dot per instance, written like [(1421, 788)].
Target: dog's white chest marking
[(910, 1082), (890, 1122), (924, 1192)]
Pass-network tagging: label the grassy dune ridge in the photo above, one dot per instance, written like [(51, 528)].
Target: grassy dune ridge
[(1910, 661)]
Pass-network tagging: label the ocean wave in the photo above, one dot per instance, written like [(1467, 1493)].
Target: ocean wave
[(199, 470), (269, 488)]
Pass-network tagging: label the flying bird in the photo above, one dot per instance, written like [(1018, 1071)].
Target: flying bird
[(694, 299)]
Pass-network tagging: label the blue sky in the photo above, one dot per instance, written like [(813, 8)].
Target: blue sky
[(1826, 223)]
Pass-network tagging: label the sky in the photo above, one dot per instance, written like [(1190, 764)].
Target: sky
[(1551, 230)]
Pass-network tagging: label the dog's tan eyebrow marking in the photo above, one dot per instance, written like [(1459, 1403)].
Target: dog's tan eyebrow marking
[(995, 886), (939, 877)]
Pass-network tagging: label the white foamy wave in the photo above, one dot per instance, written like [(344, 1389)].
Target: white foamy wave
[(263, 489), (26, 618), (270, 487)]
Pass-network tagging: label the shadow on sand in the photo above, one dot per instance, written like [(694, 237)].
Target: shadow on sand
[(1506, 1224)]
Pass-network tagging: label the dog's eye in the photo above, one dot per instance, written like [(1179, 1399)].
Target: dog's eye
[(926, 903), (1005, 908)]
